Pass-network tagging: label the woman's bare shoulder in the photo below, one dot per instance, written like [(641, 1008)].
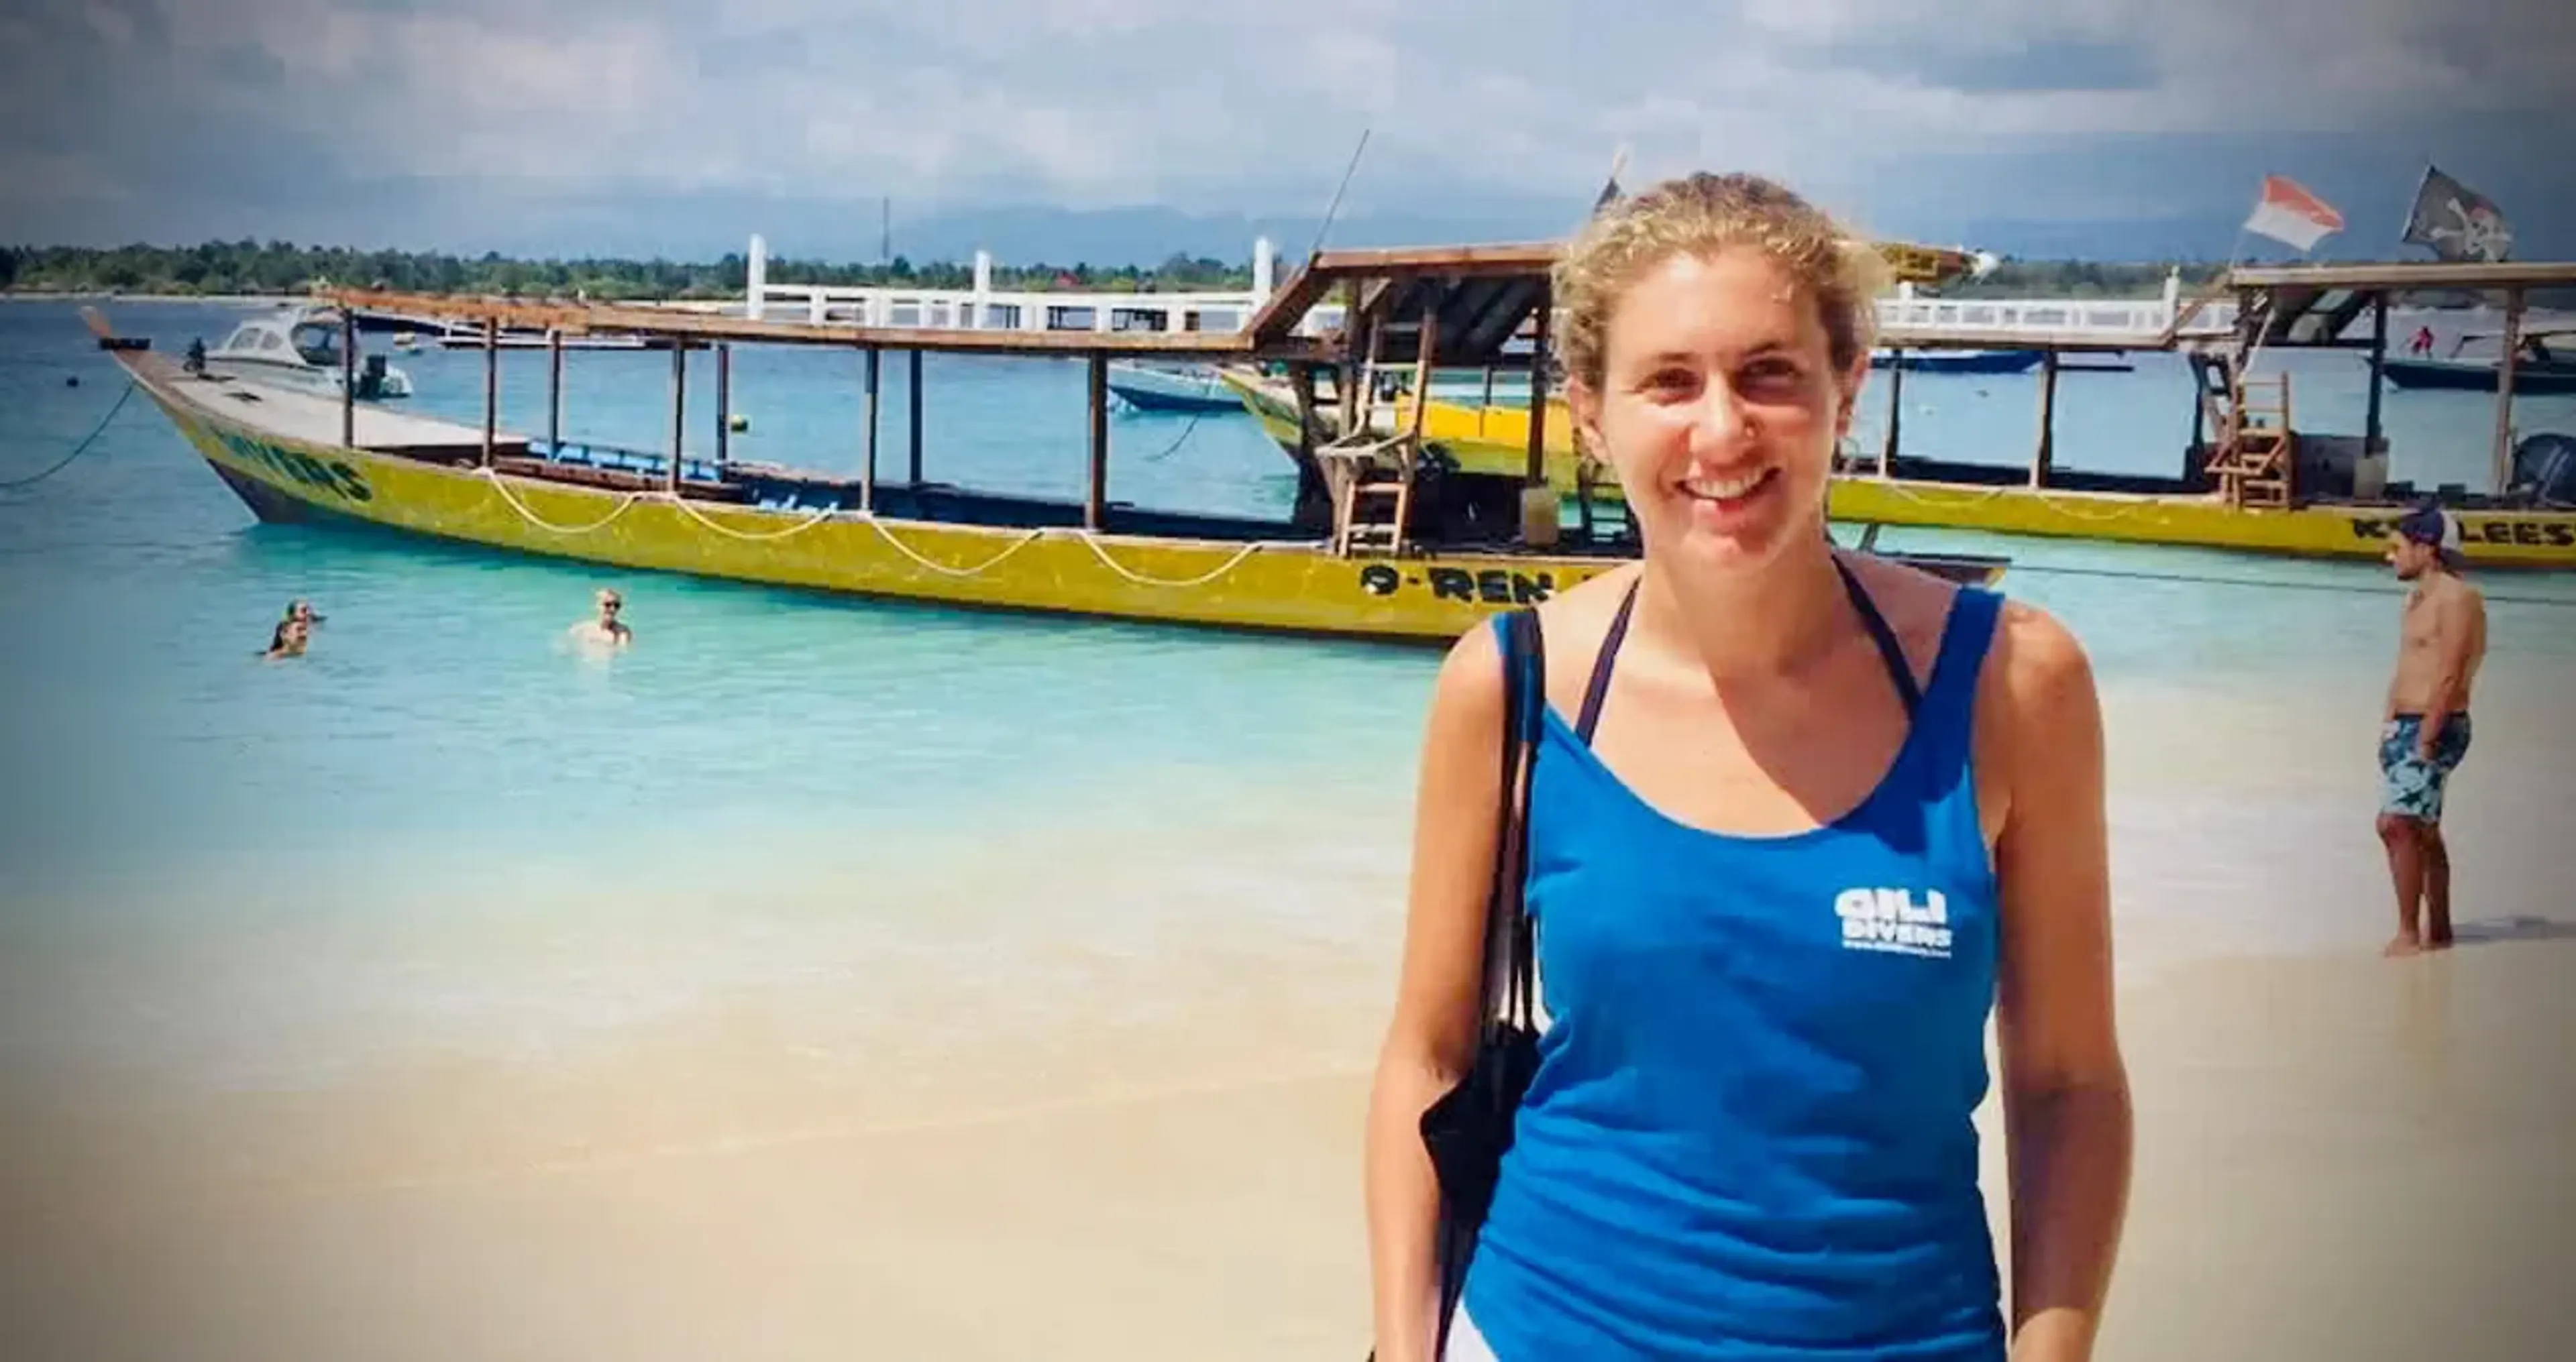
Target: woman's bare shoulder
[(2040, 667)]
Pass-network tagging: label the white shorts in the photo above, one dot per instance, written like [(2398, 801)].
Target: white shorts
[(1465, 1344)]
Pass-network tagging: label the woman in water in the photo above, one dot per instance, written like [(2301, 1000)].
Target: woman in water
[(1813, 815)]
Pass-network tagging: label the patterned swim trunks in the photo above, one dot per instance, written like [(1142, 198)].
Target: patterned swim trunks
[(2410, 786)]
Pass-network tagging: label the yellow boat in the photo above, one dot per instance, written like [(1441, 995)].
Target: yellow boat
[(2254, 484), (292, 456)]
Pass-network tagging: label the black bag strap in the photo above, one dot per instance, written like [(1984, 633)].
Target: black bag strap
[(1509, 969)]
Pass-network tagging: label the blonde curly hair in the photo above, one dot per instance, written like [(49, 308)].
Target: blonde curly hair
[(1702, 214)]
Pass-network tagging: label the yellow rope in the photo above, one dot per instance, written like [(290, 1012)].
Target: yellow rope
[(746, 536), (625, 504), (1092, 542), (976, 571), (1087, 538)]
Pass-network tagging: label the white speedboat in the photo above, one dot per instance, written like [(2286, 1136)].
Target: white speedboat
[(299, 350)]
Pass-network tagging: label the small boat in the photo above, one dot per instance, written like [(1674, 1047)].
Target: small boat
[(1956, 361), (2538, 370), (298, 349), (1170, 387)]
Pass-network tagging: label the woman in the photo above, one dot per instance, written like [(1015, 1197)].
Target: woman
[(1772, 909)]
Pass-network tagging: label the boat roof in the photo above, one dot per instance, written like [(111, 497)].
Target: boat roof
[(2396, 275), (1483, 297), (578, 317), (2318, 305)]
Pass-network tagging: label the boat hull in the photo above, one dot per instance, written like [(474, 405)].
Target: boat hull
[(1293, 587), (1991, 362), (1158, 390), (2447, 375), (1493, 440)]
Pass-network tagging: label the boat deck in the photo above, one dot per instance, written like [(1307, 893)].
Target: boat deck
[(314, 419)]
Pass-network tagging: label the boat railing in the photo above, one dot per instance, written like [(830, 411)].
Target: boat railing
[(621, 459), (2146, 320)]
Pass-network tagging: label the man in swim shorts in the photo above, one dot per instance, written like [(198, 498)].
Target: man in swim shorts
[(2442, 638)]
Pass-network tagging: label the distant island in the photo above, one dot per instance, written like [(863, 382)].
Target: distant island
[(234, 268), (281, 269)]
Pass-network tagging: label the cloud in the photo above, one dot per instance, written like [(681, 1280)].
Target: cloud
[(228, 112)]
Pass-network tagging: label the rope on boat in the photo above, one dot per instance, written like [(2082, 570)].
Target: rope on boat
[(746, 536), (625, 504), (631, 499), (1230, 564), (942, 568), (79, 449)]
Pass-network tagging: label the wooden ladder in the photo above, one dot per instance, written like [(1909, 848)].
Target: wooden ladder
[(2254, 461), (1372, 477)]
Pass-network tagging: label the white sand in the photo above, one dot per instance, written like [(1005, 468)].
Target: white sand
[(773, 1123)]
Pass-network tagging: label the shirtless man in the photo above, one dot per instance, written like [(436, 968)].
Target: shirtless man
[(2442, 637), (606, 630)]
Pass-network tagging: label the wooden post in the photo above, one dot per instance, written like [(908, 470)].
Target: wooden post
[(1536, 472), (348, 379), (868, 469), (554, 389), (679, 405), (2505, 365), (2046, 455), (2372, 428), (914, 412), (1895, 412), (724, 404), (1310, 480), (491, 386), (1095, 506)]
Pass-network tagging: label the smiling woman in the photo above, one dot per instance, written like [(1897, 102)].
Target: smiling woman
[(1813, 820)]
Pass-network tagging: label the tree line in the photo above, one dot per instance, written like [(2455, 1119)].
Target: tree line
[(280, 268)]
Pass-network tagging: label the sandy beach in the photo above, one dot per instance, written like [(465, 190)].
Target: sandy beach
[(2340, 1156), (1116, 1113)]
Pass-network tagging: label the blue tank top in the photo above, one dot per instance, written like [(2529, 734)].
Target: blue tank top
[(1749, 1130)]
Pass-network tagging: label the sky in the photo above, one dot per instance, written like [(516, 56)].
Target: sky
[(1108, 129)]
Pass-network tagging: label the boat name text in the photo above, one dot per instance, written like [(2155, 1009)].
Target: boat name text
[(335, 477), (1491, 586), (2477, 529)]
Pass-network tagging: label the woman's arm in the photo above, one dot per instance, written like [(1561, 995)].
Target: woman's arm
[(2065, 1088), (1430, 1041)]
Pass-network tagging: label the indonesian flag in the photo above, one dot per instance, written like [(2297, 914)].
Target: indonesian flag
[(2291, 215)]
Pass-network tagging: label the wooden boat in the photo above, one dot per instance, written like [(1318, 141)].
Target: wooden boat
[(1453, 549), (2248, 480)]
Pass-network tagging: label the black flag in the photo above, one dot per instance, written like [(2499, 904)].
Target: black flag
[(2457, 222), (1610, 190)]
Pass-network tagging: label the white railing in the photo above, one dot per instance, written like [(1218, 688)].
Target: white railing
[(2142, 321), (985, 308)]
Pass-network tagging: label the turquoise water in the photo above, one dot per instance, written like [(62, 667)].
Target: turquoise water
[(812, 768)]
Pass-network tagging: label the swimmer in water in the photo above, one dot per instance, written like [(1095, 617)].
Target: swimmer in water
[(606, 630), (288, 638)]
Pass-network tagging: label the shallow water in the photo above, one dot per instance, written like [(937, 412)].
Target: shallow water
[(443, 829)]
